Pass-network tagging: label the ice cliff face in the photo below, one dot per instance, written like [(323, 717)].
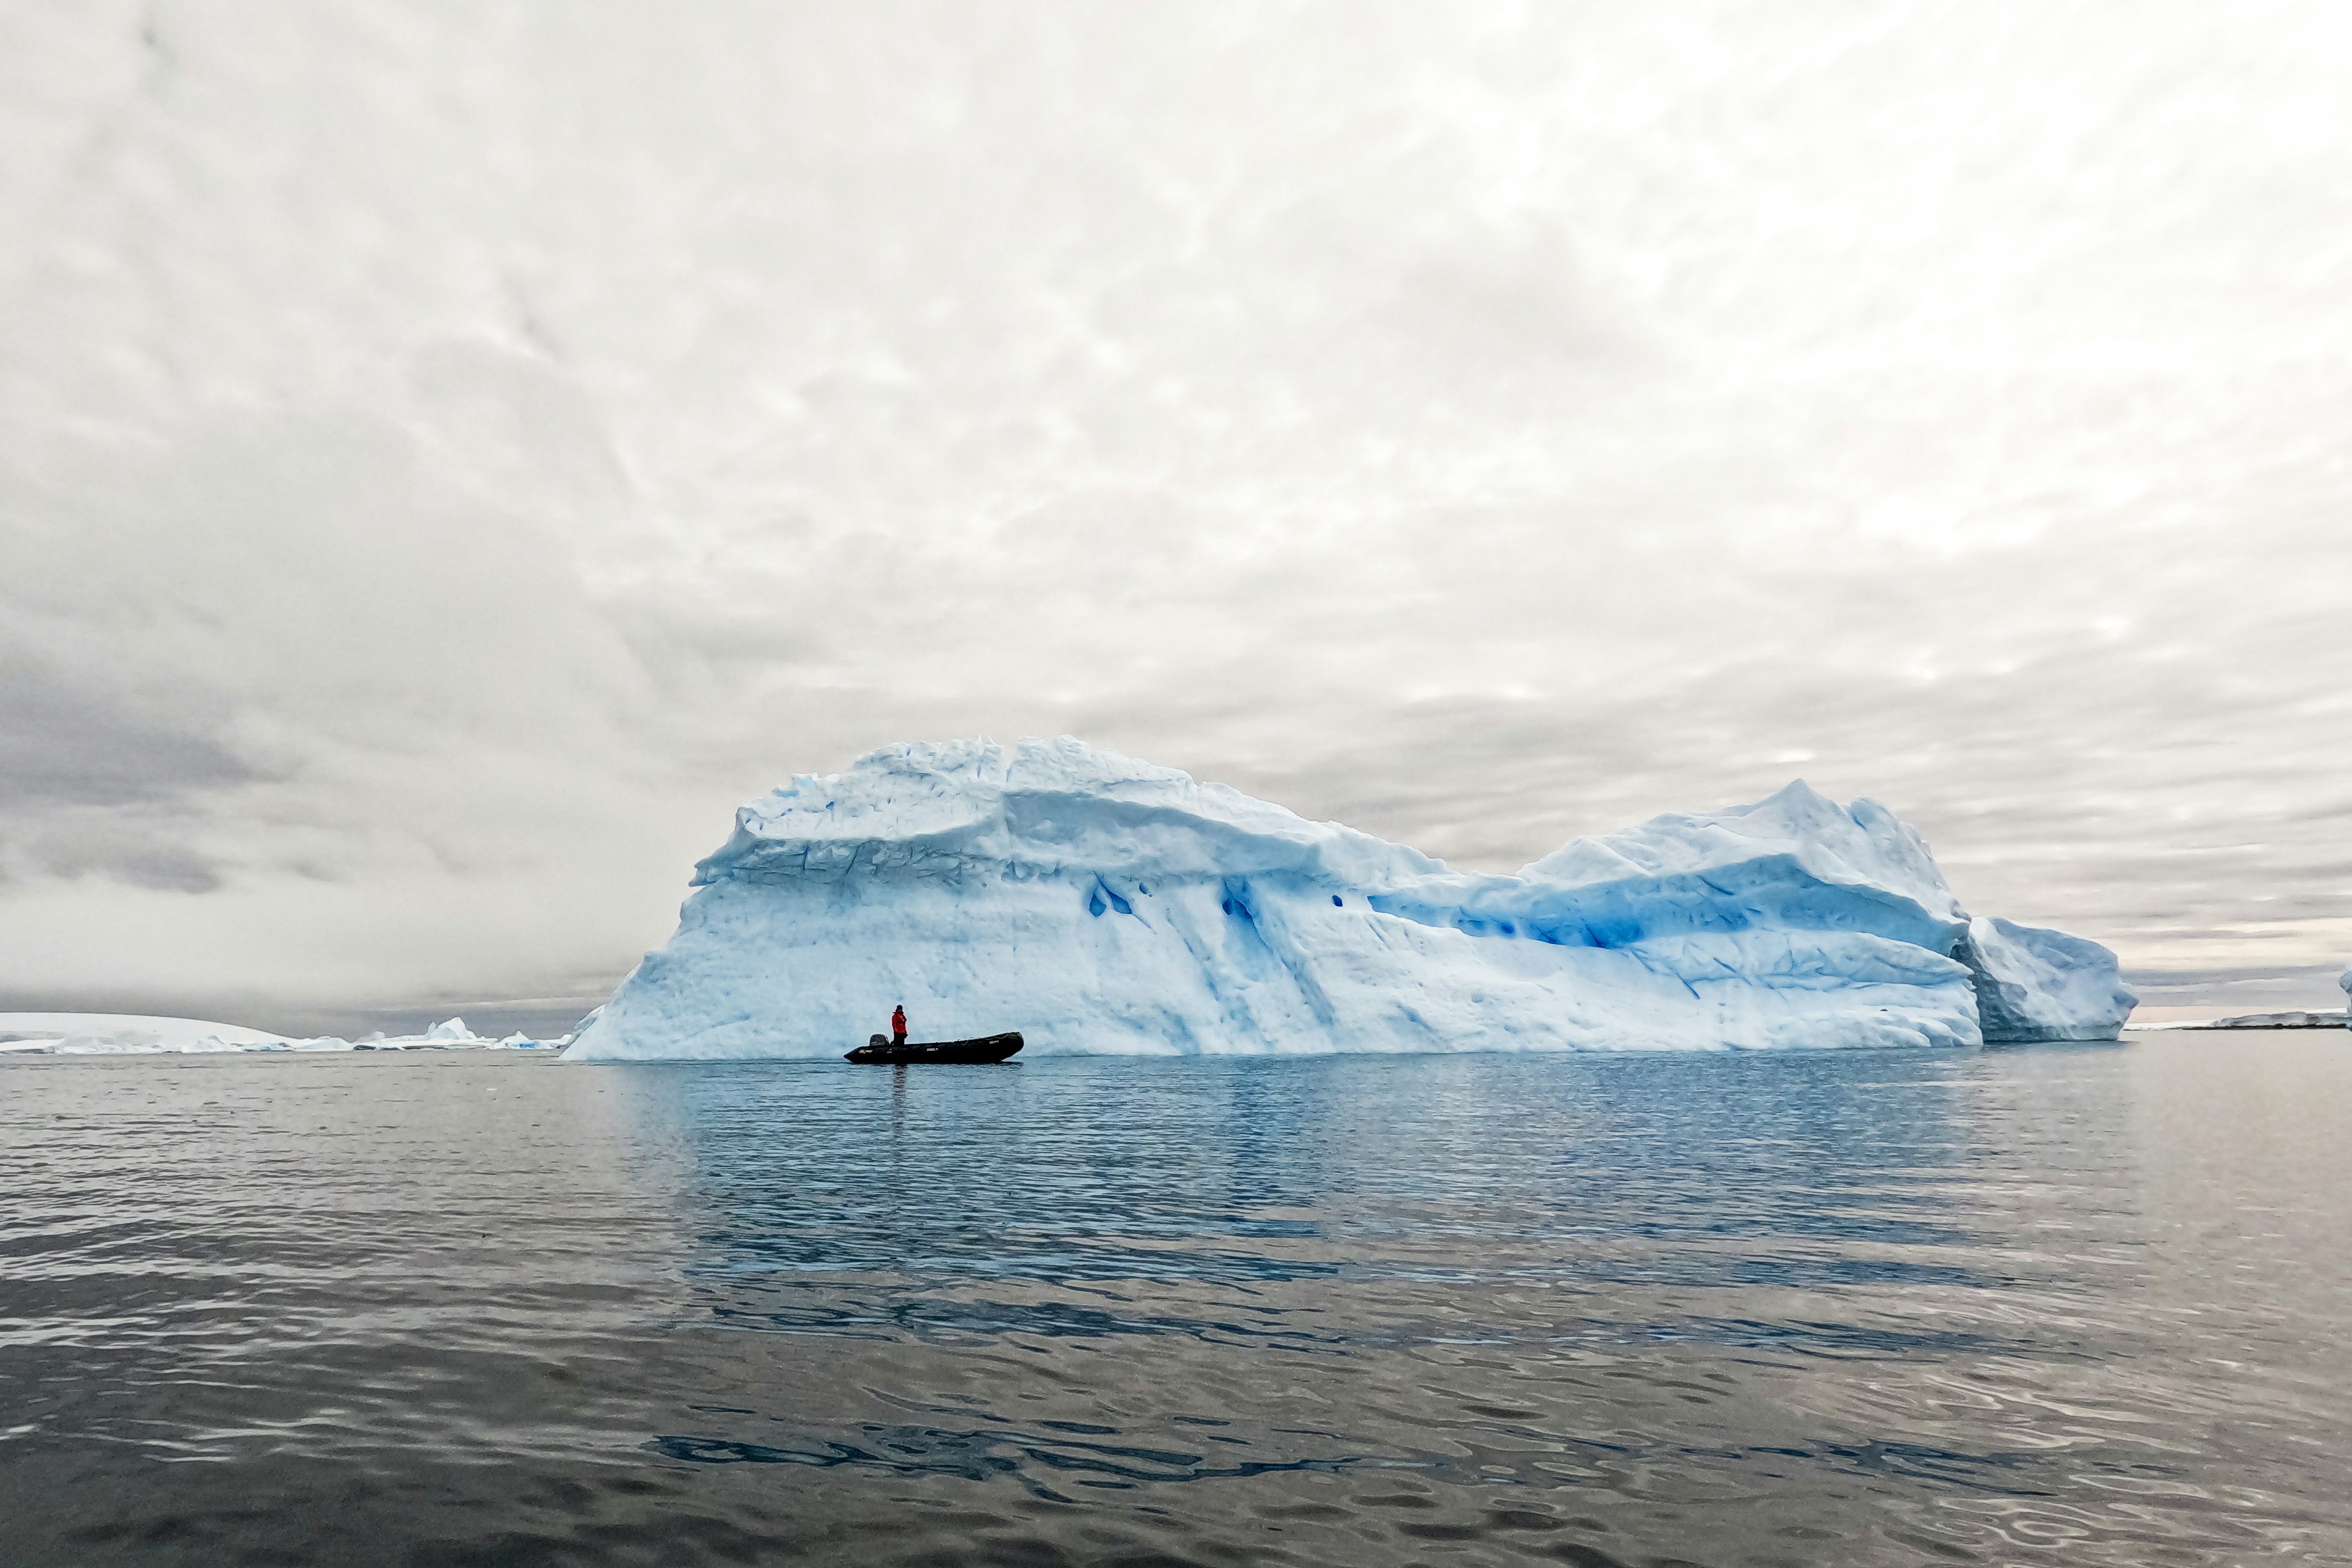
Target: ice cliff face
[(1097, 903), (2033, 983)]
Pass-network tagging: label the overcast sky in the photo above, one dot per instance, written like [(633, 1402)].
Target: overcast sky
[(451, 454)]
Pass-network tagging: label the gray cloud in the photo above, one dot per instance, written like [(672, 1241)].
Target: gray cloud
[(446, 462), (65, 747)]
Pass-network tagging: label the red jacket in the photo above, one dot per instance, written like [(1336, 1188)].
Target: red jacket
[(898, 1020)]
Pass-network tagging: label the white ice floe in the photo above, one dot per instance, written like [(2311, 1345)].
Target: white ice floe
[(137, 1033), (1100, 904)]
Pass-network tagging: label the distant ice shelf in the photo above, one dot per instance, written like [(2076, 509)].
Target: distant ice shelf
[(137, 1033), (2287, 1020), (1100, 904)]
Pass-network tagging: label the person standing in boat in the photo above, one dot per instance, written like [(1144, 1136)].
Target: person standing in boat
[(899, 1025)]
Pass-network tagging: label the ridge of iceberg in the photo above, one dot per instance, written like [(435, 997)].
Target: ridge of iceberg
[(947, 810), (1102, 904)]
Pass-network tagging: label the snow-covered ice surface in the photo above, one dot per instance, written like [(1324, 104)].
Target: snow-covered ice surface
[(1101, 904), (137, 1033), (102, 1033)]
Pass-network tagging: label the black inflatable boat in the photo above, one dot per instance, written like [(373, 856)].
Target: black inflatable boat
[(994, 1048)]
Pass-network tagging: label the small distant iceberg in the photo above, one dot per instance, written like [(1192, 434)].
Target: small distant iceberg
[(137, 1034), (452, 1035), (1100, 904)]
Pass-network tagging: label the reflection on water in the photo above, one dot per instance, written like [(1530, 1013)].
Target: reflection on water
[(2075, 1304)]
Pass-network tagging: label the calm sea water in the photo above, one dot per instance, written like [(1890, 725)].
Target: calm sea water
[(2078, 1306)]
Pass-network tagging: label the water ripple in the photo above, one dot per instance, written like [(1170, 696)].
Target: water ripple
[(1858, 1307)]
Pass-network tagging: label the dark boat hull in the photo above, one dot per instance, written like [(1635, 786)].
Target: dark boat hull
[(993, 1048)]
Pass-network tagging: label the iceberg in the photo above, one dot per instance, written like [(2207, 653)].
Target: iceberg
[(2033, 983), (1101, 904)]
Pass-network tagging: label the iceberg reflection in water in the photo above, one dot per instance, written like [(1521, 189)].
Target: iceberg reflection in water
[(1841, 1307)]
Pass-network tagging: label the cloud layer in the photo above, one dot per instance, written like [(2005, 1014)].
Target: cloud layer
[(446, 462)]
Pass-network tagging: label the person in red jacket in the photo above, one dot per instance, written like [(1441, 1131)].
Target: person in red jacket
[(899, 1025)]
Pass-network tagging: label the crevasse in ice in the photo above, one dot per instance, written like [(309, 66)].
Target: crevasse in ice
[(1097, 903)]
